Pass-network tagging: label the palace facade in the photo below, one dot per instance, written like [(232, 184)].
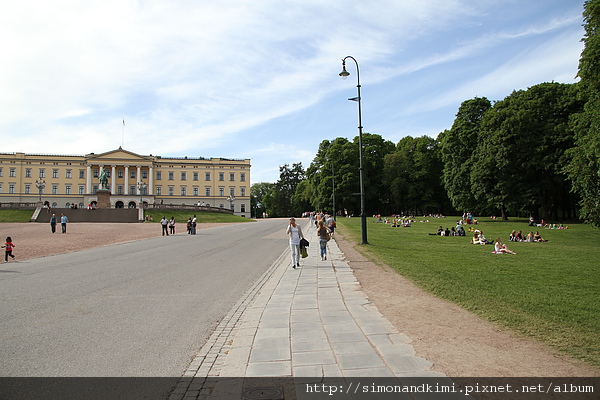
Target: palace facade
[(133, 179)]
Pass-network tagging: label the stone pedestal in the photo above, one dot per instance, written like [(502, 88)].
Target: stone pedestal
[(103, 198)]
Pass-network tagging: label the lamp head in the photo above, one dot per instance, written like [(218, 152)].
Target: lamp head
[(344, 74)]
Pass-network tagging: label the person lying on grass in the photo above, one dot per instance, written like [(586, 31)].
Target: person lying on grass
[(501, 248)]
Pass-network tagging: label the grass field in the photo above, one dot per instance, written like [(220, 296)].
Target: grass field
[(181, 217), (549, 291)]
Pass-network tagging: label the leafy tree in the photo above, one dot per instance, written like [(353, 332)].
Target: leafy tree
[(521, 152), (457, 147), (584, 167), (258, 192), (285, 188), (413, 176)]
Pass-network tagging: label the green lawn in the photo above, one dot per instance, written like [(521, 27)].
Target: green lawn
[(549, 291), (7, 215), (181, 217)]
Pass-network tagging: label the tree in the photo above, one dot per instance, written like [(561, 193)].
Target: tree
[(521, 152), (413, 177), (258, 193), (285, 188), (457, 147), (584, 167)]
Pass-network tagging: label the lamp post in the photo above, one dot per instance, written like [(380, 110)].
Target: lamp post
[(333, 187), (40, 184), (231, 199), (142, 188), (363, 217)]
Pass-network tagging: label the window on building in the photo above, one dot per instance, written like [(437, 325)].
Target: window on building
[(81, 189), (171, 175), (242, 191), (171, 190), (144, 174), (0, 188), (42, 173), (183, 176), (96, 173), (221, 176), (195, 176), (183, 190), (231, 176), (1, 172), (27, 172), (158, 190), (68, 189), (69, 173), (242, 207), (195, 191), (81, 174), (132, 173), (54, 173), (158, 175), (120, 173), (54, 189), (132, 189), (94, 189), (243, 177), (207, 191), (207, 176), (27, 188), (221, 191), (12, 172), (11, 188), (232, 191), (119, 189)]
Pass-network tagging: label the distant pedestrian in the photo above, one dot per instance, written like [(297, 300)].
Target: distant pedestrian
[(295, 233), (63, 222), (164, 222), (322, 232), (172, 225), (8, 248), (53, 223), (189, 226), (194, 223)]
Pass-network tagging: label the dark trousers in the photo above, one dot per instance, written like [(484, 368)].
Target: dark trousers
[(53, 227), (165, 230), (8, 253), (64, 227)]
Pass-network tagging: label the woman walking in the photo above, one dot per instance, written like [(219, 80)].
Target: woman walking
[(295, 233), (322, 233)]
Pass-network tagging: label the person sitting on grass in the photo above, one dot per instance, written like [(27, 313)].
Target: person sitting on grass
[(538, 238), (513, 236), (501, 248)]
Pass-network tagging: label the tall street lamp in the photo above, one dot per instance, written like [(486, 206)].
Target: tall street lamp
[(142, 186), (363, 217), (231, 199), (40, 184)]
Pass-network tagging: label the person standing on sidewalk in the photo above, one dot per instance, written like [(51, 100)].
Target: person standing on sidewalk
[(53, 223), (172, 225), (8, 247), (322, 232), (63, 222), (295, 233), (164, 222)]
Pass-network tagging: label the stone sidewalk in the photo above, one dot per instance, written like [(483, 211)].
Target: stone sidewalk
[(304, 326)]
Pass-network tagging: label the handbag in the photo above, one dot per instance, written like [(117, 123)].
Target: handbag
[(304, 243), (303, 252), (328, 237)]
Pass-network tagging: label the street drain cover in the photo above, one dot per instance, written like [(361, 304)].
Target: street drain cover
[(263, 393)]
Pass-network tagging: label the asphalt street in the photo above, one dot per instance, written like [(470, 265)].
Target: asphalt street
[(135, 309)]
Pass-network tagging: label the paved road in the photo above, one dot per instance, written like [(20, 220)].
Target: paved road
[(142, 308)]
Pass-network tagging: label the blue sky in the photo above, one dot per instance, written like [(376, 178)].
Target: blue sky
[(259, 79)]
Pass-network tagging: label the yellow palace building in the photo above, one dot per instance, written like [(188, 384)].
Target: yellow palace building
[(133, 179)]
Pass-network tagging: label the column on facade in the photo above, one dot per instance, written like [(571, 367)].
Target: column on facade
[(150, 181), (113, 179), (88, 179), (127, 180)]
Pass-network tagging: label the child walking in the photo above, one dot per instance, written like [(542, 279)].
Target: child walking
[(8, 246)]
